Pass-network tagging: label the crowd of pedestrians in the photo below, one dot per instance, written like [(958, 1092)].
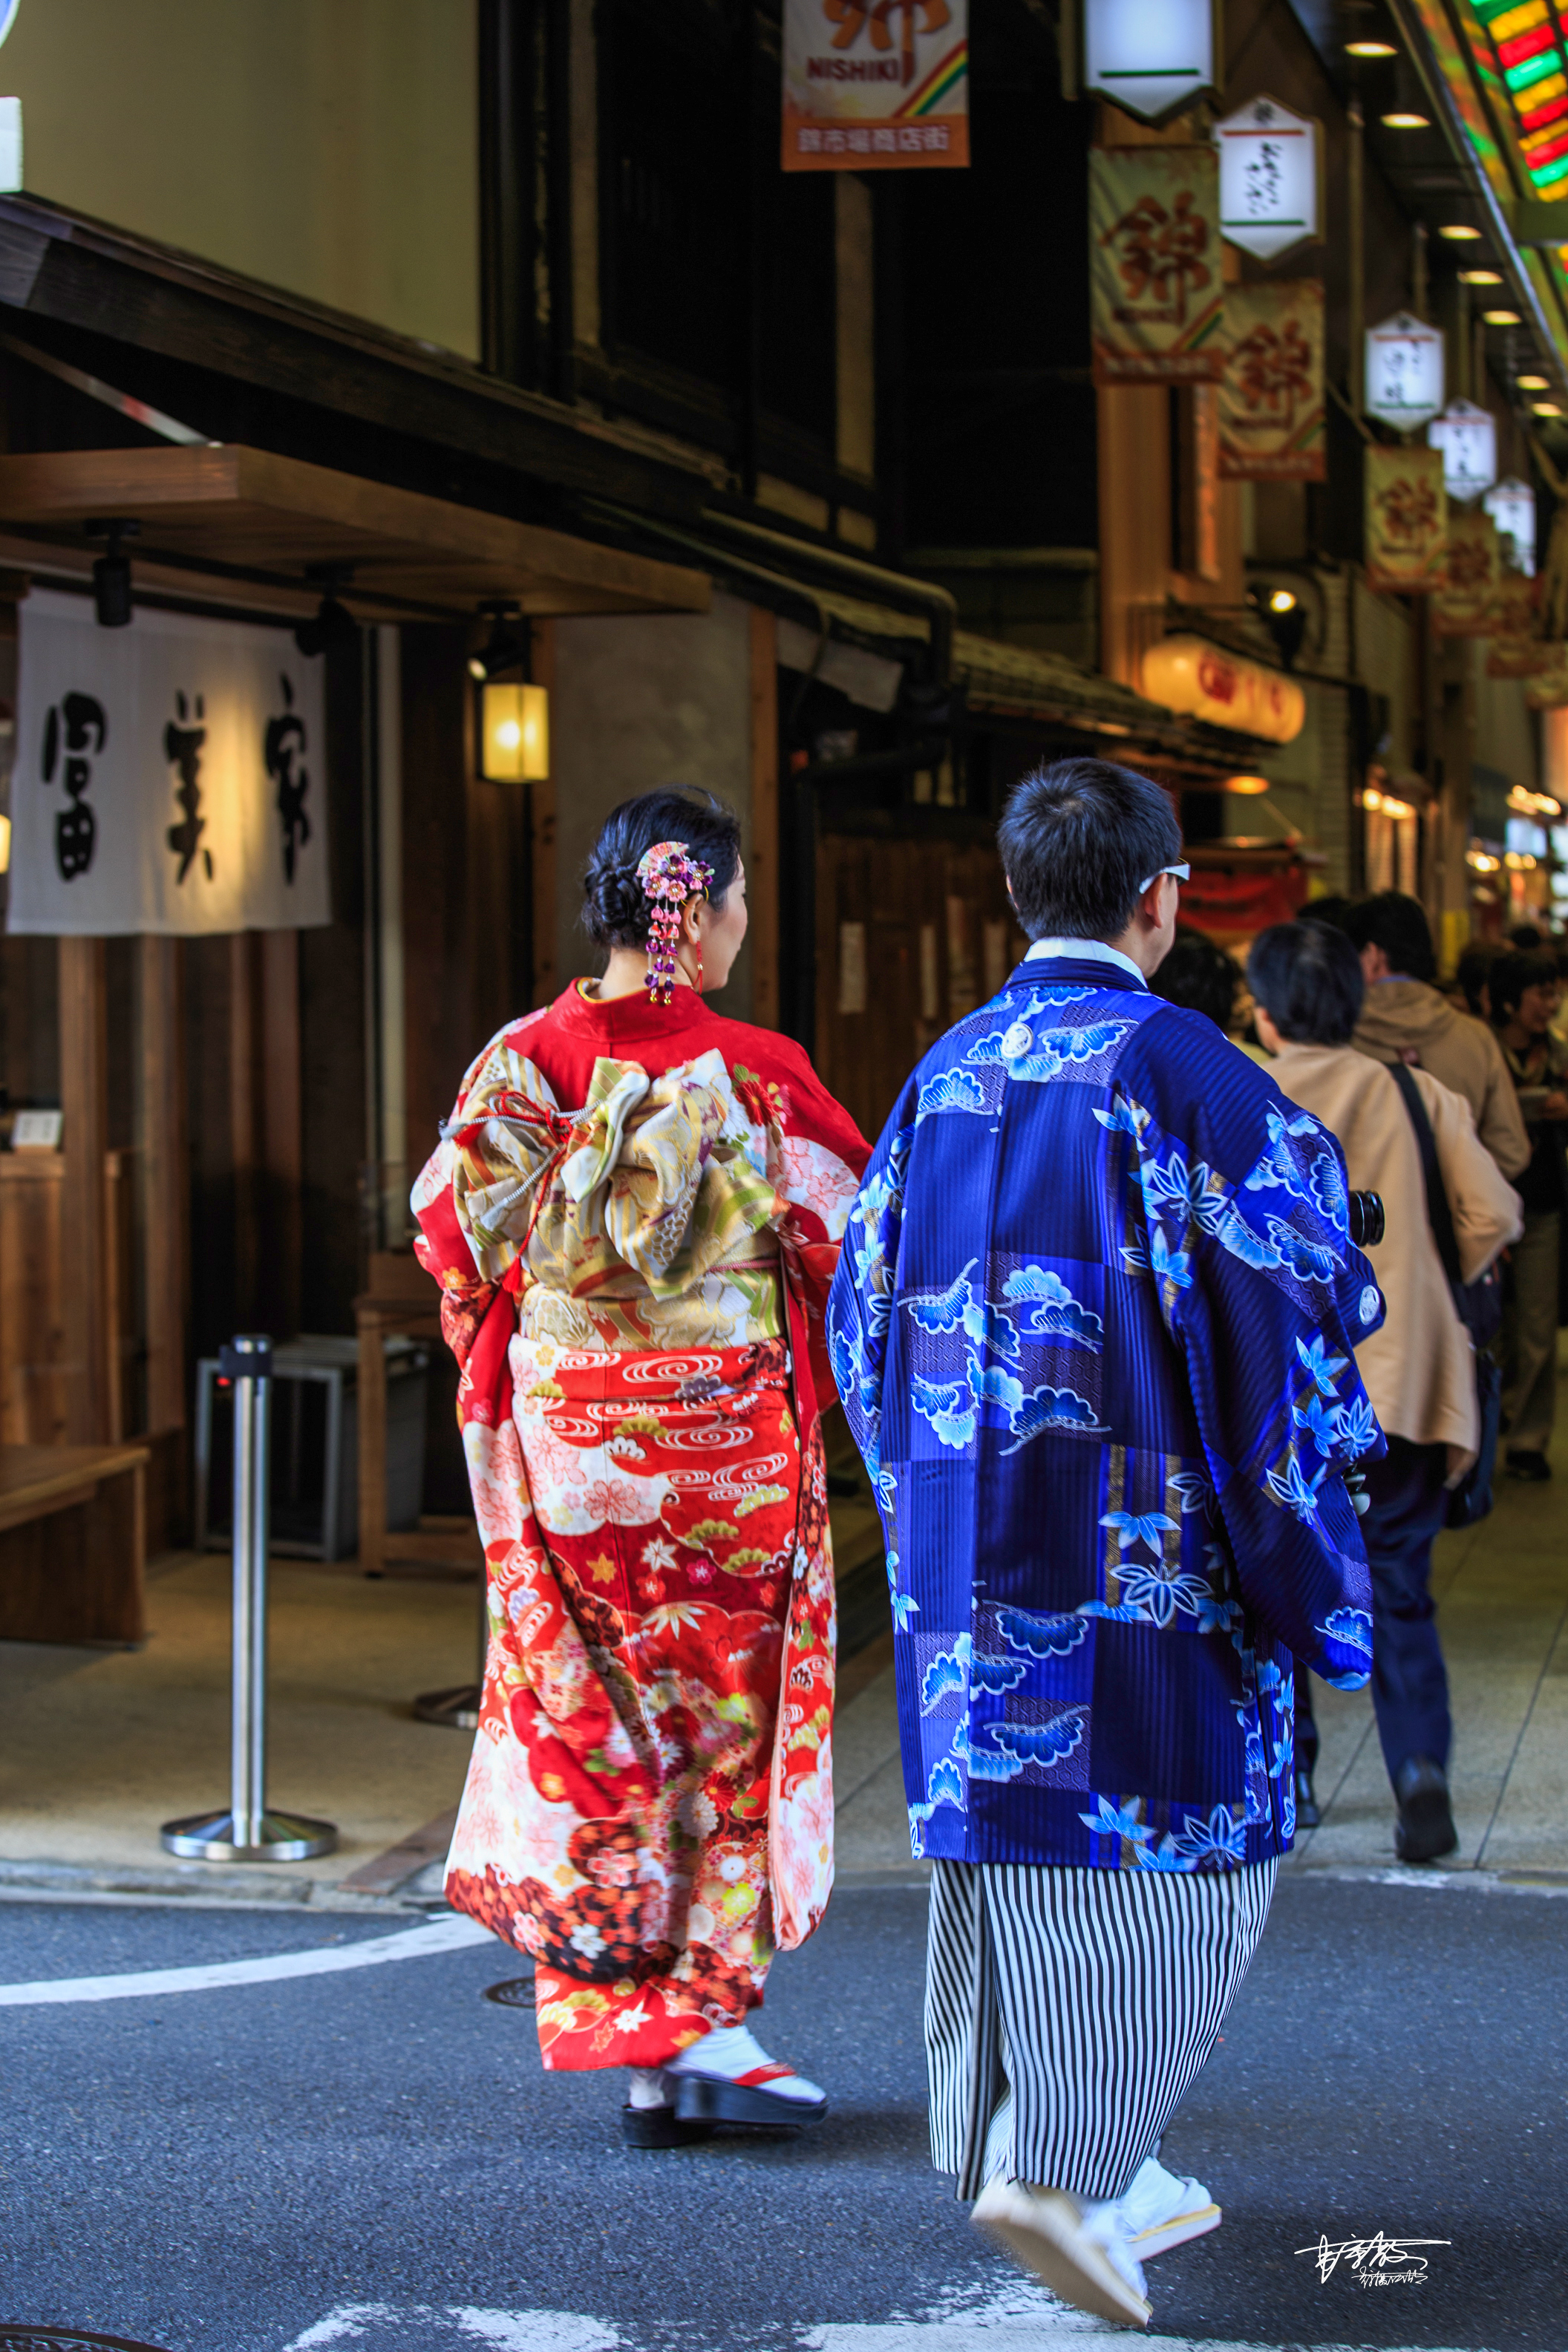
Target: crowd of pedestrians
[(1151, 1438)]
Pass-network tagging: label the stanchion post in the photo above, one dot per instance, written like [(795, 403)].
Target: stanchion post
[(247, 1831)]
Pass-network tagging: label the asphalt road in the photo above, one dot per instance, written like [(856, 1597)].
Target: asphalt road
[(375, 2159)]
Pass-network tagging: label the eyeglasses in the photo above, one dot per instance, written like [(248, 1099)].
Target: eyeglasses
[(1182, 873)]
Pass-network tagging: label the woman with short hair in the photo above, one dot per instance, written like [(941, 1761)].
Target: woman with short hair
[(1524, 992), (1419, 1368), (635, 1214)]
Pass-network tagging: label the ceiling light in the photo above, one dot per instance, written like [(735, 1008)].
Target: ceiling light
[(1481, 278), (1532, 382), (1371, 49), (1545, 408), (1248, 785), (1282, 601), (1501, 317), (503, 651), (1406, 123), (1459, 232)]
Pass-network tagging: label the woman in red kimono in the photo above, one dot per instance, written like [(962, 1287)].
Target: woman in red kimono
[(635, 1214)]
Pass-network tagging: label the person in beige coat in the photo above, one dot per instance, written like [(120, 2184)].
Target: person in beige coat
[(1404, 1019), (1419, 1368)]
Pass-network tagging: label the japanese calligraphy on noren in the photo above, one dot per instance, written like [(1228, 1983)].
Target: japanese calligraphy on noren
[(284, 745), (183, 750), (1155, 289), (79, 719), (168, 776), (869, 84), (1271, 425)]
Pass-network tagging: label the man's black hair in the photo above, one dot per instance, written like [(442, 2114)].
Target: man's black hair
[(1511, 975), (1077, 839), (1198, 973), (1397, 924), (1330, 909), (1309, 980)]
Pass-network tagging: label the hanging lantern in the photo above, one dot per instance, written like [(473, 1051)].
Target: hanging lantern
[(514, 734), (1467, 438), (1511, 506), (1153, 57), (1269, 178), (1403, 372)]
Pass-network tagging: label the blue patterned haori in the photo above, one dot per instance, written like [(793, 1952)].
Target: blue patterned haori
[(1094, 1327)]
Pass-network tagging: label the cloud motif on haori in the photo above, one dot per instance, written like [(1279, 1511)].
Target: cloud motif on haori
[(1044, 1744), (1041, 1637), (949, 1090), (957, 1309), (948, 1671), (938, 1402), (1278, 1167), (1058, 1048), (1351, 1626), (1056, 1313), (997, 1674), (945, 1786), (1307, 1261), (1328, 1190), (1048, 1408), (992, 1385)]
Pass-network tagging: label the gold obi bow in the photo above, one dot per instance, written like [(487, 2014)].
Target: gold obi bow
[(658, 1173)]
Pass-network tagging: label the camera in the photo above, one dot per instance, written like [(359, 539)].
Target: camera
[(1367, 1226)]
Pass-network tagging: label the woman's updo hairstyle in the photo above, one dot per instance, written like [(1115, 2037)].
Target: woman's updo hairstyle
[(615, 912)]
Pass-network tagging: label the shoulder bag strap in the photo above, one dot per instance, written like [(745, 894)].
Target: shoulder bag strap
[(1437, 1211)]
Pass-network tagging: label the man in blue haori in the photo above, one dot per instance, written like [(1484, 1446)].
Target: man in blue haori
[(1094, 1327)]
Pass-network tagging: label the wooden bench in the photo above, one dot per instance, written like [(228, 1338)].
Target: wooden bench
[(73, 1543)]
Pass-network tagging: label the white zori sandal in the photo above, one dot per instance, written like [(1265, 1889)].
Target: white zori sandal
[(729, 2078), (1080, 2251)]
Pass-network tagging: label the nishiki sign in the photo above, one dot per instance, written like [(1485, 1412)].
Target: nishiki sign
[(169, 776), (874, 85)]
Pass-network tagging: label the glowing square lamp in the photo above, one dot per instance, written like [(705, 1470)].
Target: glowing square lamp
[(514, 734)]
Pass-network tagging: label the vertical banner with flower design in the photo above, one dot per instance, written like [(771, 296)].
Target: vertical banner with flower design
[(1271, 394), (1466, 603), (1405, 519), (873, 85), (1515, 650), (1156, 302)]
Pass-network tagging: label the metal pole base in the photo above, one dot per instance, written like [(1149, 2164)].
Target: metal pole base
[(218, 1837), (458, 1708)]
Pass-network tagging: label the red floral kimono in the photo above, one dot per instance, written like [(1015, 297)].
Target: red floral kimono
[(635, 1215)]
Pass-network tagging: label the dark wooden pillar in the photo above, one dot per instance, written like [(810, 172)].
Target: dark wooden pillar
[(84, 1100)]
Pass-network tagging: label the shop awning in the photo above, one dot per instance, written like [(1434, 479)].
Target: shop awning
[(260, 530), (1017, 682)]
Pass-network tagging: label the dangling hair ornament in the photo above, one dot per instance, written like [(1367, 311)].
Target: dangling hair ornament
[(669, 877)]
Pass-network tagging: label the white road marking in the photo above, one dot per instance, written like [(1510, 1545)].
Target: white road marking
[(448, 1935), (1019, 2318)]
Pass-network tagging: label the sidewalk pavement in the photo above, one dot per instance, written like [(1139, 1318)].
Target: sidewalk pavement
[(103, 1746)]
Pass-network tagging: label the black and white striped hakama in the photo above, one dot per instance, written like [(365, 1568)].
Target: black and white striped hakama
[(1067, 2010)]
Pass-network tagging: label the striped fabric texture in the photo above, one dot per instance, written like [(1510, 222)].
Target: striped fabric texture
[(1068, 2009)]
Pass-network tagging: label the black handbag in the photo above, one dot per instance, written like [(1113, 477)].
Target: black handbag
[(1479, 1305)]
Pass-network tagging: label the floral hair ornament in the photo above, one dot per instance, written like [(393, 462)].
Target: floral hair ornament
[(669, 876)]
